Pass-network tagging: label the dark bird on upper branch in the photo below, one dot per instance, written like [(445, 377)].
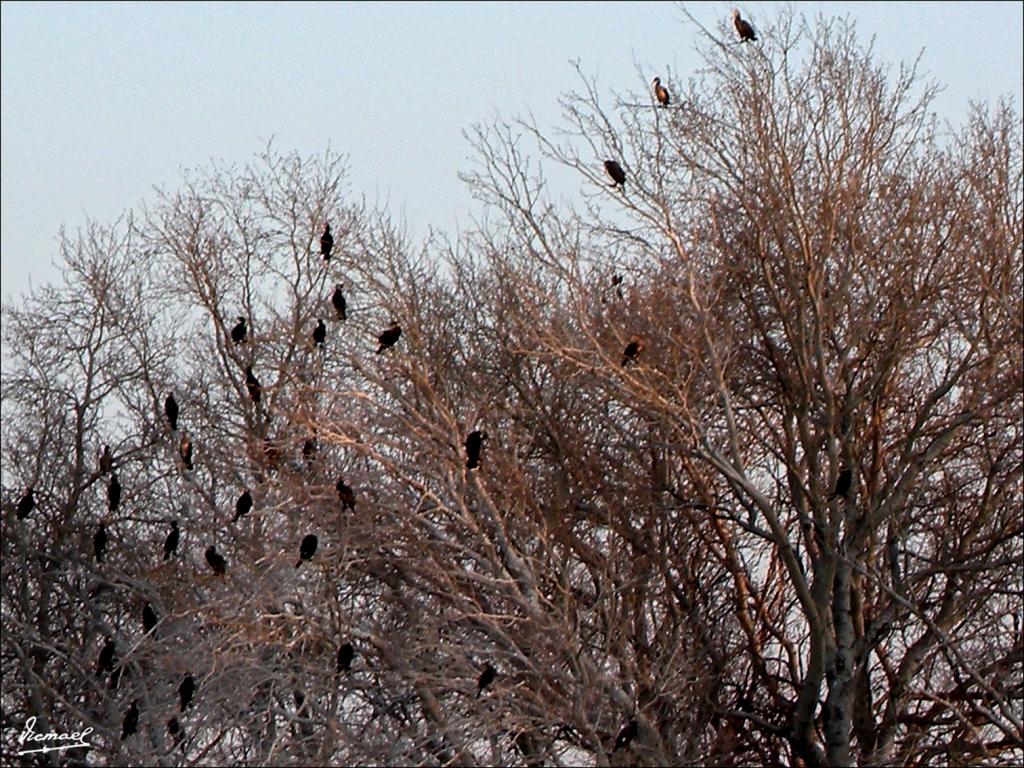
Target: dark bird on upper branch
[(106, 460), (843, 484), (252, 384), (632, 350), (171, 411), (243, 505), (149, 619), (239, 332), (346, 653), (186, 691), (319, 333), (326, 243), (615, 171), (99, 542), (486, 678), (338, 300), (26, 503), (661, 92), (171, 542), (113, 493), (346, 494), (388, 338), (743, 28), (105, 662), (474, 444), (218, 563), (131, 720), (307, 548)]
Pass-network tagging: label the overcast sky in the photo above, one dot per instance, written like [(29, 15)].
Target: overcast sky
[(102, 101)]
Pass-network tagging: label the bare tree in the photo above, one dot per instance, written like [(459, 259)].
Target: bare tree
[(750, 491)]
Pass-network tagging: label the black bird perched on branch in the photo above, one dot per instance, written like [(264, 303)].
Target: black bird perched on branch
[(171, 542), (239, 332), (346, 653), (185, 449), (26, 503), (474, 443), (171, 411), (106, 460), (186, 691), (174, 728), (130, 721), (326, 243), (338, 300), (626, 735), (307, 548), (346, 494), (743, 28), (252, 384), (632, 350), (309, 450), (99, 542), (661, 92), (319, 333), (149, 618), (486, 678), (243, 506), (105, 662), (843, 484), (218, 563), (113, 493), (615, 171), (389, 338)]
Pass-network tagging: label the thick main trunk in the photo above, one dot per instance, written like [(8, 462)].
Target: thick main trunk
[(837, 715)]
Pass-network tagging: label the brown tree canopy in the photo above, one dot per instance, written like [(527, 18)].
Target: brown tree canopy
[(788, 531)]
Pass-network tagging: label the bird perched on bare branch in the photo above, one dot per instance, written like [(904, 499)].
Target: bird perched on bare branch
[(661, 93), (615, 171), (113, 493), (171, 411), (843, 484), (215, 561), (326, 243), (26, 503), (307, 548), (474, 444), (99, 542), (239, 332), (252, 384), (130, 722), (632, 350), (186, 691), (106, 460), (346, 653), (338, 300), (743, 28), (485, 679), (243, 505), (171, 542), (389, 338), (346, 494), (319, 333)]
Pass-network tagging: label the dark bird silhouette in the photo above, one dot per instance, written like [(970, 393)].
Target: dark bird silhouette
[(174, 728), (474, 443), (326, 243), (632, 350), (346, 654), (243, 506), (171, 542), (617, 284), (106, 460), (615, 171), (185, 449), (26, 503), (131, 720), (626, 735), (300, 702), (149, 618), (105, 662), (661, 92), (186, 691), (99, 542), (309, 450), (218, 563), (113, 493), (843, 484), (319, 333), (743, 28), (389, 338), (171, 411), (338, 300), (252, 384), (346, 494), (486, 678), (239, 332), (307, 548)]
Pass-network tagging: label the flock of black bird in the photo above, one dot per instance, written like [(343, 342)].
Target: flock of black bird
[(106, 663)]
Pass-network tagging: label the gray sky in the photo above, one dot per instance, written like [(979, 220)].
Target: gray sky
[(101, 102)]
